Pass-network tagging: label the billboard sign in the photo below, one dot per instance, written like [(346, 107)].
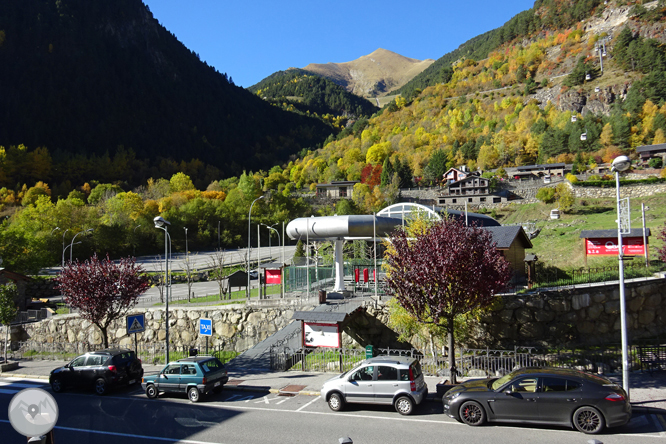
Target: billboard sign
[(274, 276), (631, 246)]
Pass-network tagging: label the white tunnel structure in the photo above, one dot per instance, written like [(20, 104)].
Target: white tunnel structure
[(368, 227)]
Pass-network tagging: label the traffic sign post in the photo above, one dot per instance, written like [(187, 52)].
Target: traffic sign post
[(206, 329), (136, 323)]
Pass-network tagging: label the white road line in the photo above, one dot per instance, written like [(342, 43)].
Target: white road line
[(14, 384), (286, 398), (127, 435), (41, 381), (301, 408)]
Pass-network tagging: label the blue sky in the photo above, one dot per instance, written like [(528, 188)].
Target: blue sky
[(252, 39)]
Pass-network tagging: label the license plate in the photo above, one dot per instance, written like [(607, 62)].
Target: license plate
[(217, 384), (132, 381)]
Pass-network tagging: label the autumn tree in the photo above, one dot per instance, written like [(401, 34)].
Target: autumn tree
[(444, 271), (102, 290), (220, 272), (8, 309)]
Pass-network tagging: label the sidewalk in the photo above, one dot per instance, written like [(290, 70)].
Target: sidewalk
[(648, 392)]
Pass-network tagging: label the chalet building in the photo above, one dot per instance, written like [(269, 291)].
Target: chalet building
[(455, 174), (538, 171), (472, 189), (20, 280), (336, 189), (512, 241), (648, 152)]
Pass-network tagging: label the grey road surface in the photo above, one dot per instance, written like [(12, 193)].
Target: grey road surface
[(127, 416)]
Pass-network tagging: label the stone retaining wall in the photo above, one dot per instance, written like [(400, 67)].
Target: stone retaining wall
[(235, 329)]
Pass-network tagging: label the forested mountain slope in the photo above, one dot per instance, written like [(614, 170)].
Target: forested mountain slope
[(306, 92), (81, 76)]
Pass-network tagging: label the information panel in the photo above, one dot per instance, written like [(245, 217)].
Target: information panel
[(273, 276), (317, 334)]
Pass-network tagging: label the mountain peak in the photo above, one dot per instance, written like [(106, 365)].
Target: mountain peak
[(374, 74)]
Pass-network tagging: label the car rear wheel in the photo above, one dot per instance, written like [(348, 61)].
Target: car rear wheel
[(193, 394), (335, 402), (471, 413), (588, 420), (404, 405), (100, 386), (151, 391), (56, 385)]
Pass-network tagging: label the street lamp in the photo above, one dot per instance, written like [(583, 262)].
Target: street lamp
[(187, 251), (164, 225), (89, 230), (270, 227), (620, 164), (56, 228), (63, 248), (218, 234), (134, 241), (249, 234)]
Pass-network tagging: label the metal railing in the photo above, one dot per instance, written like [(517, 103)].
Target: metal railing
[(554, 277), (469, 362)]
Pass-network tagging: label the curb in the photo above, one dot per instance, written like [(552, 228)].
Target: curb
[(24, 376)]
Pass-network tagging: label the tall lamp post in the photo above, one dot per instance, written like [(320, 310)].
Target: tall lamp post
[(270, 227), (63, 248), (187, 251), (71, 244), (163, 224), (621, 164), (249, 234)]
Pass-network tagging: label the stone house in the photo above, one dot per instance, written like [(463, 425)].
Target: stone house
[(342, 189), (648, 152), (455, 174), (537, 171), (472, 189)]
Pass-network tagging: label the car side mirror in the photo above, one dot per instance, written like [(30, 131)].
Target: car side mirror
[(508, 392)]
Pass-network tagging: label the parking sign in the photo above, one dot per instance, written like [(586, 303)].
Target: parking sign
[(205, 327)]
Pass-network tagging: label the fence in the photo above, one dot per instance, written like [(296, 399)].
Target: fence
[(469, 362), (554, 277), (149, 353), (323, 277)]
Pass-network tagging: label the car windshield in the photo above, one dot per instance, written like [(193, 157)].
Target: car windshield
[(497, 383)]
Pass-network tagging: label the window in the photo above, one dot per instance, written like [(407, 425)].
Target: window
[(497, 199), (559, 385), (364, 374), (386, 373), (211, 365), (483, 199), (78, 362), (470, 199), (189, 369), (95, 360), (453, 200), (525, 385), (173, 369), (342, 192)]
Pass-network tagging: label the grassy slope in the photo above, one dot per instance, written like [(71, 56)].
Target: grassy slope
[(559, 242)]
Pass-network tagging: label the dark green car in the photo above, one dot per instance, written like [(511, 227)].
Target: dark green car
[(194, 376)]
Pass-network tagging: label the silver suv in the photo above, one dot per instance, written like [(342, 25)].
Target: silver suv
[(390, 380)]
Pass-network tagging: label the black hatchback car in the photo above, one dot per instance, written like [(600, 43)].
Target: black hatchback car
[(541, 396), (99, 370)]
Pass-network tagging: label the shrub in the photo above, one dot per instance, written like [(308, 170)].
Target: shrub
[(546, 194), (655, 162), (572, 178)]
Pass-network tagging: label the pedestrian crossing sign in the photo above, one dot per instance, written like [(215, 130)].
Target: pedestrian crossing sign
[(135, 323)]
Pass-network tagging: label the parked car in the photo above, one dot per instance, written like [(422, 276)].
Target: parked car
[(194, 376), (541, 396), (390, 380), (100, 370)]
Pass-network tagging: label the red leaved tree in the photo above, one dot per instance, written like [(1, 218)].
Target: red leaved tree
[(103, 290), (443, 271)]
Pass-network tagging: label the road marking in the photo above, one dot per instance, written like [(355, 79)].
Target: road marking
[(40, 381), (14, 384), (301, 408), (286, 398), (127, 435)]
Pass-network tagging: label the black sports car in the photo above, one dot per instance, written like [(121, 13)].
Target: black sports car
[(541, 396)]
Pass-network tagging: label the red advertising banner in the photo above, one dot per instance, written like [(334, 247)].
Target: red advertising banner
[(631, 246), (273, 276)]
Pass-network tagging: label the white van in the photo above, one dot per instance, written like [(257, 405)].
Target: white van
[(555, 214), (546, 178)]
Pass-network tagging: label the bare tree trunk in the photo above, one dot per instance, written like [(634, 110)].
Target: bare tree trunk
[(433, 349)]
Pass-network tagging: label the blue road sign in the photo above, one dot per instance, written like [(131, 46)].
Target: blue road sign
[(135, 323), (206, 327)]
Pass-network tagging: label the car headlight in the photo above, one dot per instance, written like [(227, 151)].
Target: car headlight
[(452, 396)]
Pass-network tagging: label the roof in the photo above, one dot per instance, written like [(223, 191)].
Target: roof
[(504, 236), (195, 358), (336, 184), (13, 276), (647, 148), (318, 316), (612, 234), (481, 220), (541, 167)]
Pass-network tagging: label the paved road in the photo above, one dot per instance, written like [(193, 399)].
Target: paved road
[(128, 417)]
